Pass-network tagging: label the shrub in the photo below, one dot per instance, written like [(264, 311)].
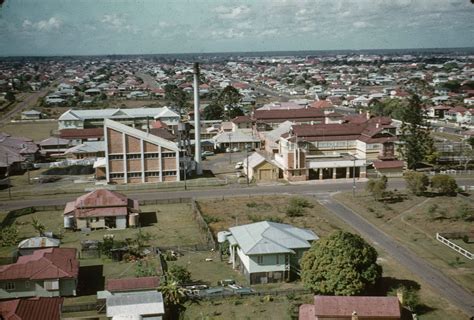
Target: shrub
[(292, 211), (210, 219), (178, 274), (70, 170), (252, 204), (377, 187), (417, 182), (9, 236), (465, 212), (300, 202), (444, 184)]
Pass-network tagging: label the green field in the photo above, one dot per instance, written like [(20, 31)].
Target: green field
[(33, 130)]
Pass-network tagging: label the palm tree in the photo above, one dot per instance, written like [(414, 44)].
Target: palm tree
[(38, 226), (174, 297)]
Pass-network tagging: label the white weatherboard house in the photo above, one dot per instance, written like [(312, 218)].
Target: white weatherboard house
[(267, 251)]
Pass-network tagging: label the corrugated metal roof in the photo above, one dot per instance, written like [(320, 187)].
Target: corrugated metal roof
[(39, 242), (148, 303), (270, 237), (164, 112)]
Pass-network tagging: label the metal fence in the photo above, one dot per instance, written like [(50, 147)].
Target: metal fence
[(454, 246), (197, 215)]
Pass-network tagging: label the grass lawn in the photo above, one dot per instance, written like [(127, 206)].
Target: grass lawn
[(280, 307), (33, 130), (411, 222), (229, 212), (208, 272)]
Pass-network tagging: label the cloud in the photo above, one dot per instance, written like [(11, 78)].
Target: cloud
[(50, 24), (361, 24), (232, 13), (118, 23)]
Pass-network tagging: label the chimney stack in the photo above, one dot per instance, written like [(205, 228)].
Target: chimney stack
[(197, 121)]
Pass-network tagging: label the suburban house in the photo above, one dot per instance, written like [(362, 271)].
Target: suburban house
[(135, 117), (78, 136), (437, 112), (460, 115), (53, 146), (15, 152), (101, 208), (31, 115), (129, 285), (271, 138), (351, 308), (235, 140), (51, 272), (135, 156), (267, 251), (145, 305), (334, 151), (270, 119), (260, 169), (31, 309), (87, 149)]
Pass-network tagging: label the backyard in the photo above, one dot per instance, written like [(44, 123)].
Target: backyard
[(414, 221)]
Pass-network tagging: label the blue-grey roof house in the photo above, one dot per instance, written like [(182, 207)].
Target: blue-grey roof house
[(266, 251)]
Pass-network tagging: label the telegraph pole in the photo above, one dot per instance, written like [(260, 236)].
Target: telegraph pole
[(8, 175)]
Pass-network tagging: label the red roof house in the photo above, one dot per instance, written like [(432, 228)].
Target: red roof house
[(132, 284), (46, 272), (31, 309), (100, 209), (361, 308)]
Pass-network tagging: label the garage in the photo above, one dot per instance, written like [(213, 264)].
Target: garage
[(265, 174)]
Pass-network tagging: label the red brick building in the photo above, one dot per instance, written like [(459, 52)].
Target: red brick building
[(135, 156)]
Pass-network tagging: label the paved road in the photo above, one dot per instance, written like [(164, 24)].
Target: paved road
[(446, 287), (321, 190)]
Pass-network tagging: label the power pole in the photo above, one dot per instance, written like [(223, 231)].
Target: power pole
[(8, 175)]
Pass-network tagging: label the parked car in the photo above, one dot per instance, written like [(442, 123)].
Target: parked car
[(207, 153)]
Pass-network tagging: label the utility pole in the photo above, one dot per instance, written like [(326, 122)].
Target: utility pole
[(247, 156), (230, 149), (354, 177), (8, 175), (185, 173)]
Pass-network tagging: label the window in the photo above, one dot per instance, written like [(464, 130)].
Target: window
[(116, 175), (260, 259), (169, 173), (10, 286), (134, 156), (27, 284), (277, 259), (152, 174), (134, 174), (151, 155), (115, 156), (51, 284), (168, 154)]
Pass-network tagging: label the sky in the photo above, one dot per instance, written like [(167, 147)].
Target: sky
[(85, 27)]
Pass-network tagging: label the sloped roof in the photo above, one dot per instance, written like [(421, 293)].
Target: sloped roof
[(87, 147), (270, 237), (275, 134), (52, 263), (148, 303), (342, 306), (117, 113), (130, 284), (39, 242), (31, 309), (233, 137), (82, 133), (310, 113), (140, 134)]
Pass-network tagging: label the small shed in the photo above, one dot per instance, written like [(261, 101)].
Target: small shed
[(147, 304), (31, 115), (260, 168), (389, 168), (28, 246)]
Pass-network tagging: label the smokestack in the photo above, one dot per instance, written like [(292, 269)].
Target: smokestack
[(197, 121)]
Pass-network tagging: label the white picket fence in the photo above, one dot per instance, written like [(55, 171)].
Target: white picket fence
[(454, 246)]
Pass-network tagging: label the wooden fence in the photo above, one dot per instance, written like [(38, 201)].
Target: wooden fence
[(197, 215), (454, 246)]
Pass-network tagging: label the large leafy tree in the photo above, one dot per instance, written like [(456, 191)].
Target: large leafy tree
[(176, 96), (417, 182), (230, 96), (341, 264), (415, 133), (213, 111)]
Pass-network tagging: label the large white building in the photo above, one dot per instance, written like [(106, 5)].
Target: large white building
[(135, 117)]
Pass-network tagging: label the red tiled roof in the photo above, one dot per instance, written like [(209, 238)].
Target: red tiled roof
[(130, 284), (241, 119), (81, 133), (51, 263), (101, 203), (31, 309), (309, 114), (341, 306), (321, 104), (390, 164)]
